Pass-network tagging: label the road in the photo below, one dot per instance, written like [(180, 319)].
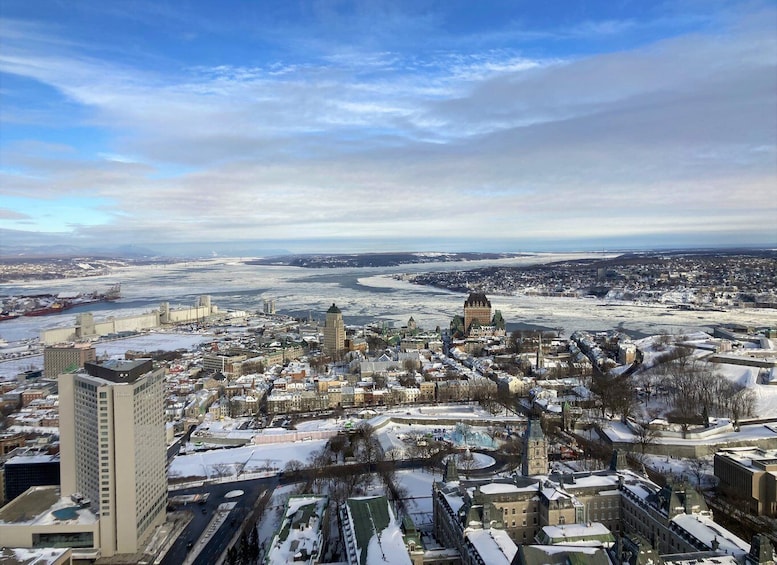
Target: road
[(203, 513), (172, 451)]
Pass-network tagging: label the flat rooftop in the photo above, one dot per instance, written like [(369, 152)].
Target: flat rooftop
[(39, 556), (45, 505)]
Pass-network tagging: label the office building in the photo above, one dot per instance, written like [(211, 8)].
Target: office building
[(748, 475), (27, 469), (59, 359), (334, 332)]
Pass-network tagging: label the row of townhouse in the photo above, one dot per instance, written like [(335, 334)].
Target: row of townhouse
[(328, 395)]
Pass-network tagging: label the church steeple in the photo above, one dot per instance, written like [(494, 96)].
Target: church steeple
[(540, 362)]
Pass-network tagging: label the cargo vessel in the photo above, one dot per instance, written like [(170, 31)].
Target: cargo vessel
[(45, 304)]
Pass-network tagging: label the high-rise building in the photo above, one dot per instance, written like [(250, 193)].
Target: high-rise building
[(112, 448), (59, 359), (477, 308), (334, 331)]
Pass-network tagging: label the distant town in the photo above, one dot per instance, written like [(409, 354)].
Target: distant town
[(262, 437), (690, 279)]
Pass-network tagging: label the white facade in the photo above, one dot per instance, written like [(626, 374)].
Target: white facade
[(113, 452)]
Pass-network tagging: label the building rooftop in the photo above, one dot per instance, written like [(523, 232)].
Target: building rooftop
[(39, 556), (594, 534), (333, 309), (753, 458), (494, 546), (704, 529), (44, 505), (377, 537), (120, 370), (299, 538), (562, 555)]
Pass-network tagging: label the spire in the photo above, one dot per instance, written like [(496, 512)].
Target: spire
[(451, 473), (540, 360)]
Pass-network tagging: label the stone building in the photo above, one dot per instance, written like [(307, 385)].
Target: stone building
[(535, 450)]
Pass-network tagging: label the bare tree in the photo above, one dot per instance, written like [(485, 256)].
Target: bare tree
[(293, 466), (698, 468), (223, 470), (646, 437), (742, 402)]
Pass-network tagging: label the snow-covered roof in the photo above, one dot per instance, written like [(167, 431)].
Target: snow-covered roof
[(375, 536), (43, 506), (503, 488), (494, 546), (704, 529), (37, 556), (300, 537)]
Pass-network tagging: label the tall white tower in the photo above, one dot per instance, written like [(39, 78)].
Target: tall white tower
[(112, 448)]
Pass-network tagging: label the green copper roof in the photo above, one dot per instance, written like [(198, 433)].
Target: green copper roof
[(370, 516), (333, 309)]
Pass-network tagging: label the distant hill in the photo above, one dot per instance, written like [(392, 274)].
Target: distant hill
[(392, 259)]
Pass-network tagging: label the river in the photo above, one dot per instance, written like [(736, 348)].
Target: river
[(363, 295)]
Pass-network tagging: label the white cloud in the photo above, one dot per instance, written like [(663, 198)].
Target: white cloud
[(676, 137)]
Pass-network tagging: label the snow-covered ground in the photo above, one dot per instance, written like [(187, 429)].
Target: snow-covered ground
[(394, 431), (765, 395), (696, 471), (241, 462)]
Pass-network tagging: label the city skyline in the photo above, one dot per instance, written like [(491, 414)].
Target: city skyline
[(370, 126)]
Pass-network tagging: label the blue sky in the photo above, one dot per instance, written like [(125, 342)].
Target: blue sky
[(334, 126)]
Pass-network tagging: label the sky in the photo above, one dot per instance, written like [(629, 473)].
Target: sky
[(203, 127)]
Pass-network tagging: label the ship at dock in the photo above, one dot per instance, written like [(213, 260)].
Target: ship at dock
[(46, 304)]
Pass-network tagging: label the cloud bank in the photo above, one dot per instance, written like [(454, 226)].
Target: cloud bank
[(506, 135)]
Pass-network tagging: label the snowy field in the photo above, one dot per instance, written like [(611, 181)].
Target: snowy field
[(242, 462), (394, 431), (765, 405)]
